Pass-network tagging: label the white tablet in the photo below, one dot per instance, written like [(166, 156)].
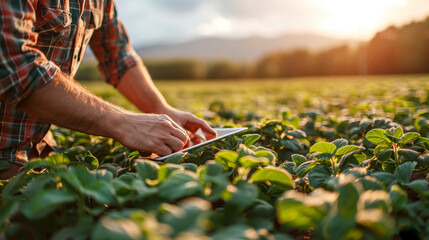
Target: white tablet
[(221, 133)]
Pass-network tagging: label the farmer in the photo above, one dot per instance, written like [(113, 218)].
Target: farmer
[(42, 43)]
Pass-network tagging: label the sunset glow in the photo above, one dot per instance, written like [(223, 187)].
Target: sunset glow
[(355, 19)]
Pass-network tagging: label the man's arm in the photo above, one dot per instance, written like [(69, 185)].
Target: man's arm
[(138, 87), (67, 104)]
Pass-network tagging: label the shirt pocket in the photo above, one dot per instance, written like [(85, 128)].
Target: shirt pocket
[(54, 26), (95, 19)]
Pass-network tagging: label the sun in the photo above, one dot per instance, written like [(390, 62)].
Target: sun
[(354, 18)]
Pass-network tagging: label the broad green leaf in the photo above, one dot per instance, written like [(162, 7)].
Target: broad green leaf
[(4, 165), (8, 209), (190, 166), (323, 147), (408, 137), (347, 200), (408, 154), (227, 158), (176, 158), (385, 155), (398, 133), (267, 153), (384, 177), (82, 230), (238, 231), (399, 197), (341, 142), (403, 172), (297, 134), (377, 137), (243, 194), (57, 159), (424, 143), (375, 199), (251, 161), (318, 175), (291, 144), (347, 149), (180, 184), (296, 210), (147, 169), (298, 159), (376, 221), (166, 169), (381, 148), (46, 202), (419, 185), (250, 139), (117, 228), (277, 176)]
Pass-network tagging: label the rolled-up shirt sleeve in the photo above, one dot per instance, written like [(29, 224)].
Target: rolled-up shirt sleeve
[(112, 47), (23, 68)]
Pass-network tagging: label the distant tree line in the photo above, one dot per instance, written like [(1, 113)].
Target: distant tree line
[(395, 50)]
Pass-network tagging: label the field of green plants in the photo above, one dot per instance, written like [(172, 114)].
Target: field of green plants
[(324, 158)]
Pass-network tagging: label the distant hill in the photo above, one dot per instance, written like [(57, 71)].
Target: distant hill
[(244, 49)]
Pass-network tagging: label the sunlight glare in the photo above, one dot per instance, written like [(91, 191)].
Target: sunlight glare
[(354, 18)]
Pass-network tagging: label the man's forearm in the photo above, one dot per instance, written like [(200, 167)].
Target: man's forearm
[(66, 103)]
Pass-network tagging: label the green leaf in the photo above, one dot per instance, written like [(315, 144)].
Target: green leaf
[(291, 144), (409, 154), (341, 142), (176, 158), (318, 175), (250, 139), (297, 134), (180, 184), (147, 169), (399, 197), (57, 159), (251, 161), (298, 159), (398, 133), (298, 211), (166, 169), (408, 137), (377, 137), (227, 158), (243, 194), (384, 177), (375, 199), (82, 230), (377, 222), (118, 228), (4, 165), (277, 176), (347, 200), (190, 166), (323, 147), (403, 172), (267, 153), (347, 149), (46, 202), (381, 148), (7, 210), (424, 143), (238, 231)]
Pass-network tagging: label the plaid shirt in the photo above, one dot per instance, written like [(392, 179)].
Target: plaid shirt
[(39, 38)]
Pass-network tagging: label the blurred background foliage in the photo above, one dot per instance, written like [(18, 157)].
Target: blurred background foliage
[(395, 50)]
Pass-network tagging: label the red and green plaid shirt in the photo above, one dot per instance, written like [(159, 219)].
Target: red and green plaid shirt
[(38, 38)]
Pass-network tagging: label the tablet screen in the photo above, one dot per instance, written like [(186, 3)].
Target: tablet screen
[(221, 133)]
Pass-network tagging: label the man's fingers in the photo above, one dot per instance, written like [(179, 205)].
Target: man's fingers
[(175, 144), (210, 133)]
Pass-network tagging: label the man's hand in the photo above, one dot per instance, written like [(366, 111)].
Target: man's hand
[(191, 123), (156, 133)]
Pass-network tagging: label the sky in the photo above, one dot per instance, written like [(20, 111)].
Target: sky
[(168, 21)]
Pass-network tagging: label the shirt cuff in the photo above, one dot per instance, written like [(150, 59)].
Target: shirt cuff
[(31, 77)]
